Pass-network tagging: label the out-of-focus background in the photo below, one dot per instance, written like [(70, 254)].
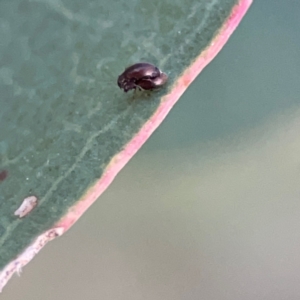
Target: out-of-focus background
[(210, 206)]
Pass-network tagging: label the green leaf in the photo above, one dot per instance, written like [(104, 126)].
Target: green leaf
[(66, 128)]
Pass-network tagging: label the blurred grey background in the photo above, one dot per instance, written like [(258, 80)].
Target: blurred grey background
[(210, 206)]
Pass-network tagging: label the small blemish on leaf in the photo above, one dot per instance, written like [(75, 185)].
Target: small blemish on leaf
[(3, 175), (26, 207)]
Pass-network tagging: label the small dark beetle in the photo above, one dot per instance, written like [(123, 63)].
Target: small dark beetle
[(143, 76)]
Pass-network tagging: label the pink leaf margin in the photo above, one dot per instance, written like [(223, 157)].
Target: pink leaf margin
[(120, 160)]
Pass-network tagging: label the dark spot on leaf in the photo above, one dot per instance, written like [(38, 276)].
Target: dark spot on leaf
[(3, 175)]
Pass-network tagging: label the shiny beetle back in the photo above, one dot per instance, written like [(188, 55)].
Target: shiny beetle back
[(143, 76)]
